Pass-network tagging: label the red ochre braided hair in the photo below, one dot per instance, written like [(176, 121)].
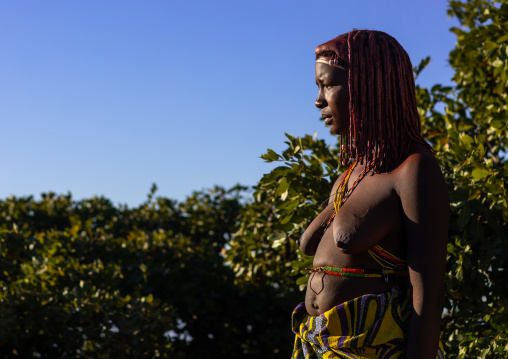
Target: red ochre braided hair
[(383, 117)]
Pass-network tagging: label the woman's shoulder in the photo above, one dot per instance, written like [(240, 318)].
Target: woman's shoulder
[(419, 159), (419, 172)]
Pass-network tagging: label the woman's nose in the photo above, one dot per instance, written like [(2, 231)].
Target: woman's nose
[(320, 101)]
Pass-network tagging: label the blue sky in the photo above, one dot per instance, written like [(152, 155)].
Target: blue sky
[(108, 97)]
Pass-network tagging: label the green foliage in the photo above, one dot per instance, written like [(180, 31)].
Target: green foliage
[(88, 279), (285, 201), (470, 139)]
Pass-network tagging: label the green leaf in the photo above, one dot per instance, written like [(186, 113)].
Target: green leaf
[(422, 65), (276, 236), (466, 140), (270, 156), (282, 187), (479, 173), (498, 124), (502, 39), (497, 63), (279, 242), (484, 353), (302, 280), (287, 218), (284, 195)]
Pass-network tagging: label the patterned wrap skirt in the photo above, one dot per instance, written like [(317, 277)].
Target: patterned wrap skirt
[(370, 326)]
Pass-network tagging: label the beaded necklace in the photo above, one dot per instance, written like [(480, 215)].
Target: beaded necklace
[(341, 195), (341, 188)]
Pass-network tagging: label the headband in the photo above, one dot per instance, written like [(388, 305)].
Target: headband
[(341, 64)]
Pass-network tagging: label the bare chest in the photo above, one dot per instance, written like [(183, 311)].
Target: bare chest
[(371, 215)]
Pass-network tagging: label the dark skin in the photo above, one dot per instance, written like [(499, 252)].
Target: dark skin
[(404, 211)]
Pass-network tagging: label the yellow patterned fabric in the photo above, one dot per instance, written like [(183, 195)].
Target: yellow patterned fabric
[(370, 326)]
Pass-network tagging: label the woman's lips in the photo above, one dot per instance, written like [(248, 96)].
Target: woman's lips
[(328, 120)]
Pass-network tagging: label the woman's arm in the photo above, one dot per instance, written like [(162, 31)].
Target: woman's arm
[(425, 204), (310, 239)]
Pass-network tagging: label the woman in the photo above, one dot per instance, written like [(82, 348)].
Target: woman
[(377, 286)]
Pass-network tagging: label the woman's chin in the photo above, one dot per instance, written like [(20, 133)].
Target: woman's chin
[(339, 131)]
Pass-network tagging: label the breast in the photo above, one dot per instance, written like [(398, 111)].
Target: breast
[(371, 213), (370, 216)]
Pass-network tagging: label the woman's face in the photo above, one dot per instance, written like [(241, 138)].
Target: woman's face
[(333, 97)]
